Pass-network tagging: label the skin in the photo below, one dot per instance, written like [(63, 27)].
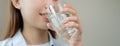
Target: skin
[(37, 24)]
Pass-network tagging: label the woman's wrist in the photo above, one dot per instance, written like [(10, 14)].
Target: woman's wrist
[(77, 43)]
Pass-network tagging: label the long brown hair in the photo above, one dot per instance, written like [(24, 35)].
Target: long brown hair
[(15, 22)]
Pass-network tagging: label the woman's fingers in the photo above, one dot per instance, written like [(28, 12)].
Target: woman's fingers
[(68, 6), (67, 9), (72, 25), (72, 18)]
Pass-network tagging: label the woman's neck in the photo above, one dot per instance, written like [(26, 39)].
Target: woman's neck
[(35, 36)]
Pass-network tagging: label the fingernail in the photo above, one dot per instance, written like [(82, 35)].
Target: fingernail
[(63, 22), (66, 25)]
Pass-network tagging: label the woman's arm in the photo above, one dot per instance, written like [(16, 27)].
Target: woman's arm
[(79, 44)]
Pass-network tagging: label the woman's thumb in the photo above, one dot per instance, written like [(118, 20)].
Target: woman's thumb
[(50, 26)]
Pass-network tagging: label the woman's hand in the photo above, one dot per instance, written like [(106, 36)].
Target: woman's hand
[(75, 39)]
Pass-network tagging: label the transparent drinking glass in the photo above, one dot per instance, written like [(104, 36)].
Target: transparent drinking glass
[(56, 17)]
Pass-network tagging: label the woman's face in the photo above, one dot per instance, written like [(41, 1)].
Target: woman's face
[(34, 12)]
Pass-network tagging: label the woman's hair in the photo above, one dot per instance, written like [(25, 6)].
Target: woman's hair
[(15, 22)]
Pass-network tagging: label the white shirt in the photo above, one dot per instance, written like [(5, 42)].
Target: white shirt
[(46, 44), (18, 40)]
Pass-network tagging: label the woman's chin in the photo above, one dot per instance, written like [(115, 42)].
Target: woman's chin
[(43, 28)]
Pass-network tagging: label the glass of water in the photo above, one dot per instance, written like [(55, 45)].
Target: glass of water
[(56, 17)]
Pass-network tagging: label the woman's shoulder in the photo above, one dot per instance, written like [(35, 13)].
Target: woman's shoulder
[(6, 42)]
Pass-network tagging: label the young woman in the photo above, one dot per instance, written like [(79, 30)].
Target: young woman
[(29, 25)]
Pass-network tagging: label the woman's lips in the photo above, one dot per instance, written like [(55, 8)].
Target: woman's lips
[(45, 16)]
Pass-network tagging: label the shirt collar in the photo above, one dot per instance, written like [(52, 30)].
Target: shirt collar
[(18, 39)]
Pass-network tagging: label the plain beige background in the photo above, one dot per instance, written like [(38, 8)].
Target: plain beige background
[(100, 20)]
